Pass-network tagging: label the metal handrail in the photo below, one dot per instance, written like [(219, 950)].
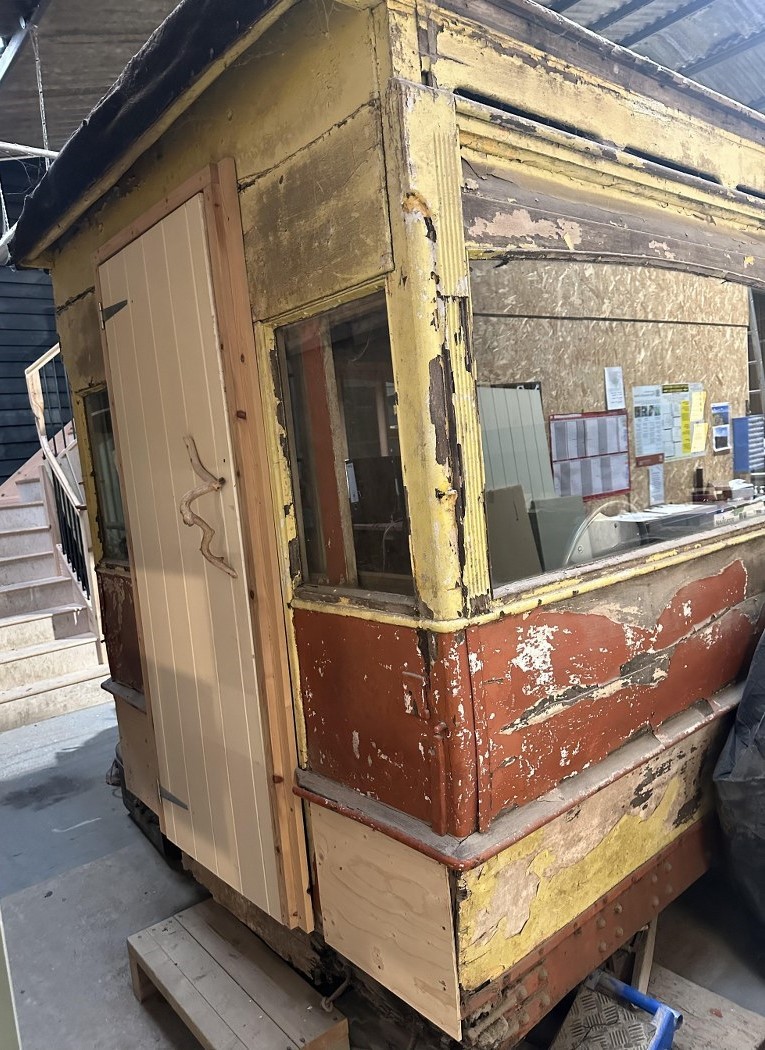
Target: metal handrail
[(81, 560)]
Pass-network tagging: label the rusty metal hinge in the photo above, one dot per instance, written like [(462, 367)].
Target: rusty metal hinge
[(168, 796), (107, 312)]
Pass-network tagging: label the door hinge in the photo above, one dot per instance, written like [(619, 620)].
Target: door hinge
[(107, 312), (168, 796)]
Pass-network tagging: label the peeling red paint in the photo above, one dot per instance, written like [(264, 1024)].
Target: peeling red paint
[(368, 728), (115, 591), (697, 602), (557, 692)]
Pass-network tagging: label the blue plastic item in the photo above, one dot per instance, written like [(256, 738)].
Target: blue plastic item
[(666, 1019)]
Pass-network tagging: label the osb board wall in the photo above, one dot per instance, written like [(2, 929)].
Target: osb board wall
[(562, 323), (262, 111)]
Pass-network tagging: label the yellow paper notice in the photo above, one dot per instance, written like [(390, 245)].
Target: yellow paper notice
[(699, 442), (685, 427), (698, 404)]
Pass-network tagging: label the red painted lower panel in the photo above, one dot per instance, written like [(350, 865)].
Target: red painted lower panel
[(388, 712)]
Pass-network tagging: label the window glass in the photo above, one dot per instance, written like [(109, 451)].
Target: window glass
[(616, 409), (111, 516), (343, 431)]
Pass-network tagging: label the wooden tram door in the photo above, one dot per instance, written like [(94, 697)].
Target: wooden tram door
[(175, 447)]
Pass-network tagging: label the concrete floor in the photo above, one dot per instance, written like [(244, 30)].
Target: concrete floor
[(76, 877)]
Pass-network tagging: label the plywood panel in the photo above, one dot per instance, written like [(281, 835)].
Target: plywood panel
[(388, 909), (166, 385)]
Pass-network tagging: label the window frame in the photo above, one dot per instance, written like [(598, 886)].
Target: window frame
[(106, 560), (306, 591), (547, 588)]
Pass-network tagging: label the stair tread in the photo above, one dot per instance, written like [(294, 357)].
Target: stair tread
[(40, 614), (47, 685), (16, 529), (44, 582), (40, 648), (23, 503), (6, 559)]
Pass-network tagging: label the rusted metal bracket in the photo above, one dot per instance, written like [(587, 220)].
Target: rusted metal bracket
[(209, 484)]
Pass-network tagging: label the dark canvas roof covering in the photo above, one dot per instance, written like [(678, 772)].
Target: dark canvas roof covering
[(199, 31)]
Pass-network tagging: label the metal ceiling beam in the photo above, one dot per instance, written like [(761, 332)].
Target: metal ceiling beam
[(559, 6), (723, 54), (11, 51), (669, 19), (16, 150), (617, 15)]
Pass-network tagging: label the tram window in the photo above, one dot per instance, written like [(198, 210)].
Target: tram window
[(110, 513), (344, 448), (572, 475)]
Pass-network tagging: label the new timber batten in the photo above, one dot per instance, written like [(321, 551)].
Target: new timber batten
[(420, 691)]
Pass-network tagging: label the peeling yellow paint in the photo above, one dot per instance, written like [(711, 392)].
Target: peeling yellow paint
[(516, 900)]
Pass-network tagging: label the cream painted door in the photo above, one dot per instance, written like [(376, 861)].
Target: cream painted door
[(166, 386)]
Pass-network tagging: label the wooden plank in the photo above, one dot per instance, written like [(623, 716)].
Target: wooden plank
[(644, 944), (261, 508), (293, 1004), (709, 1020), (149, 960), (388, 909)]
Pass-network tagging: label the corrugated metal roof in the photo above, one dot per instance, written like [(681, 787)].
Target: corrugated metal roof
[(719, 43), (84, 46)]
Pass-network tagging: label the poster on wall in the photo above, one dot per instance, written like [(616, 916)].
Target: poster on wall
[(614, 388), (721, 427), (647, 425), (590, 454), (683, 407)]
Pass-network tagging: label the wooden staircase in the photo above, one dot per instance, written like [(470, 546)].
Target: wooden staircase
[(51, 659)]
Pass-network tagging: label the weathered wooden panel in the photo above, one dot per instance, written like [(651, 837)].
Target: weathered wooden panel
[(504, 54), (139, 753), (673, 328), (318, 222), (559, 689), (166, 385), (115, 591), (508, 211), (528, 892), (388, 909), (387, 712)]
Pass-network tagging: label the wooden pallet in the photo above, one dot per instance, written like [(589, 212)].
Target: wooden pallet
[(231, 990)]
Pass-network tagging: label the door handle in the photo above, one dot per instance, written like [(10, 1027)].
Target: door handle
[(209, 484)]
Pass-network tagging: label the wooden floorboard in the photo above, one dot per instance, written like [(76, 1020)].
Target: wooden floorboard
[(710, 1022)]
